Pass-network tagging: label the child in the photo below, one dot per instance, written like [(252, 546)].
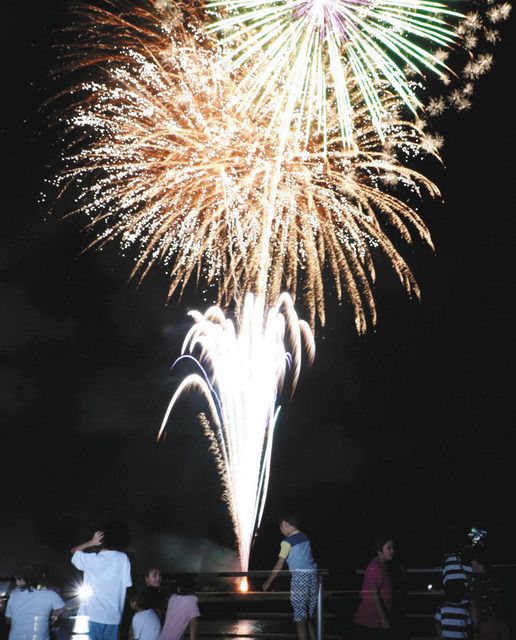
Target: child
[(372, 618), (452, 618), (152, 590), (145, 624), (297, 551), (182, 612), (108, 574)]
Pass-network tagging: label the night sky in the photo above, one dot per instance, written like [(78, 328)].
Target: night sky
[(408, 429)]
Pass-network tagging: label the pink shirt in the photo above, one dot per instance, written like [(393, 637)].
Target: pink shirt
[(375, 577), (180, 610)]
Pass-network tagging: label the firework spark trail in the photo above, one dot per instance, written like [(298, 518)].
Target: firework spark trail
[(241, 371), (164, 162), (310, 45), (478, 31)]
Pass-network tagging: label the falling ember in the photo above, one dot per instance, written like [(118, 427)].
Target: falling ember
[(241, 371), (244, 585)]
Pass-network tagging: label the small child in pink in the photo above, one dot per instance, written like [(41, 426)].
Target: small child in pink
[(182, 612)]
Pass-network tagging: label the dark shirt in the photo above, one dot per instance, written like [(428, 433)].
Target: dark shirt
[(485, 590), (153, 597)]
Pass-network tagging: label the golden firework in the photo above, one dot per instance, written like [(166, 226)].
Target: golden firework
[(166, 163)]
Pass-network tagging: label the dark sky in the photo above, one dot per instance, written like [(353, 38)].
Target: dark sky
[(409, 428)]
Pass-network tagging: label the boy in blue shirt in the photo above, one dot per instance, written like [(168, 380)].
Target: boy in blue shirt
[(297, 551)]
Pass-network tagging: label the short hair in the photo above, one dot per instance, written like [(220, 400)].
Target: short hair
[(142, 599), (151, 570), (186, 585), (116, 535), (292, 518), (379, 541), (30, 573), (455, 590)]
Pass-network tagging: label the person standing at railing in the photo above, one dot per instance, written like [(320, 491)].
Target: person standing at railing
[(456, 565), (372, 618), (145, 624), (152, 590), (296, 550), (107, 575), (453, 619), (30, 608), (182, 612)]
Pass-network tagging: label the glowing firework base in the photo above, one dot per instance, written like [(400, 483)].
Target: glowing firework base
[(240, 373)]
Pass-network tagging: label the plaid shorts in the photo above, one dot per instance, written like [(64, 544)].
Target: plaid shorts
[(303, 594)]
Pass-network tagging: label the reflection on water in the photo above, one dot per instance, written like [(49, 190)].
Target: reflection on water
[(245, 627), (248, 629)]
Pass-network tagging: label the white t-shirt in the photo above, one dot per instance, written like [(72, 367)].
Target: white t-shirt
[(107, 574), (30, 611), (146, 625)]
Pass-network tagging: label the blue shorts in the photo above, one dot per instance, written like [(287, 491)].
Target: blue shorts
[(303, 594), (99, 631)]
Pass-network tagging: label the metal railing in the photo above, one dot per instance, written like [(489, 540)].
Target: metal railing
[(332, 592)]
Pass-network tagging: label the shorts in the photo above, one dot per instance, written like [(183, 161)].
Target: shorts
[(99, 631), (303, 594)]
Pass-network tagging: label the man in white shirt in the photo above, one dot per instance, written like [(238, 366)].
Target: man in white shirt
[(107, 575)]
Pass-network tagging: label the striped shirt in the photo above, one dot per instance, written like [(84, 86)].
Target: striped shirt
[(454, 619), (455, 569)]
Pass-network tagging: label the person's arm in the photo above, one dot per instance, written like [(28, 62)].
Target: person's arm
[(58, 606), (193, 628), (8, 612), (95, 541), (375, 596), (275, 570)]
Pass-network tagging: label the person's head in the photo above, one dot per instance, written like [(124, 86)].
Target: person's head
[(454, 590), (27, 576), (116, 535), (479, 561), (140, 602), (288, 523), (383, 548), (153, 578), (186, 586)]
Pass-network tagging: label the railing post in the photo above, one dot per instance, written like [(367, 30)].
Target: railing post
[(320, 608)]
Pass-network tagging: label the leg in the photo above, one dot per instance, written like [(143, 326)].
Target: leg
[(313, 594), (299, 600), (95, 630), (301, 630)]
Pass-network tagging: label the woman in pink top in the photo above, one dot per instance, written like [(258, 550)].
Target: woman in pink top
[(372, 616), (182, 612)]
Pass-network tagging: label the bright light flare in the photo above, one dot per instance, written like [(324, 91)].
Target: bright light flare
[(241, 371), (84, 592), (243, 587)]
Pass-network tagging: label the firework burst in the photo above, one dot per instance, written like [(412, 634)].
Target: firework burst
[(175, 172), (315, 49)]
